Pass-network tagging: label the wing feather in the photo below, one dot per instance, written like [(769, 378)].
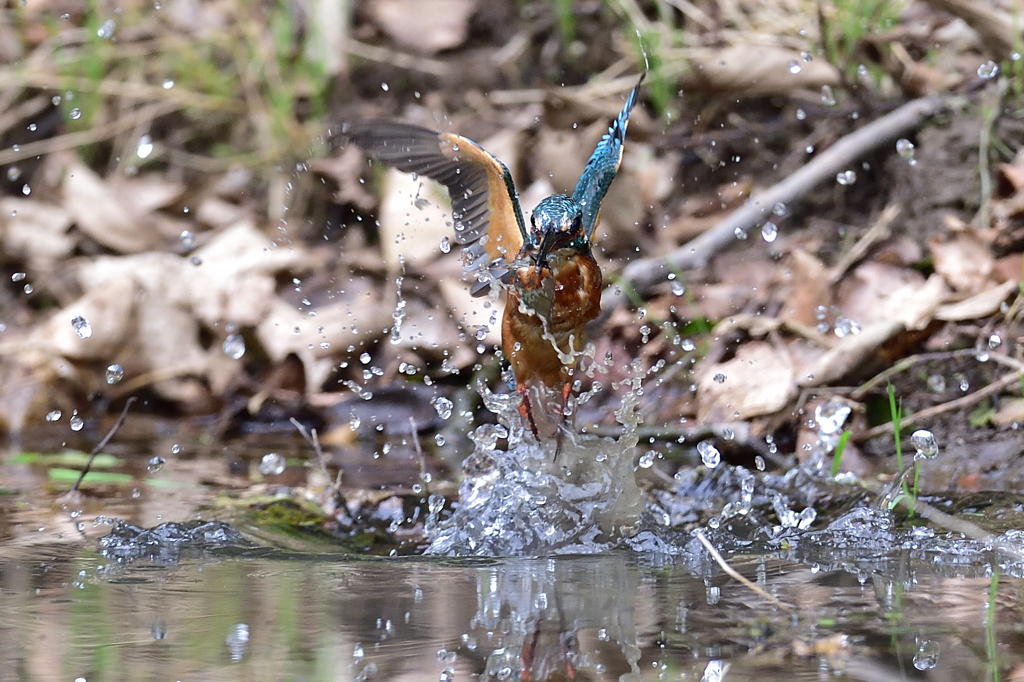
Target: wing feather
[(603, 165), (485, 205)]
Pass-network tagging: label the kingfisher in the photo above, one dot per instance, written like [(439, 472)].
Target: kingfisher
[(552, 282)]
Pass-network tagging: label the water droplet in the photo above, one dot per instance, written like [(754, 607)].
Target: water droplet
[(365, 358), (719, 378), (831, 416), (76, 422), (18, 276), (234, 346), (846, 327), (828, 98), (846, 177), (925, 444), (187, 240), (709, 454), (55, 100), (384, 87), (927, 656), (106, 30), (272, 464), (75, 114), (759, 462), (988, 70), (443, 407), (779, 209), (678, 288), (793, 67), (156, 463), (81, 327), (145, 147), (13, 173), (114, 373), (53, 415), (769, 232), (238, 641), (714, 672), (994, 341), (806, 56), (936, 383), (446, 244), (801, 115), (647, 459), (905, 148), (26, 189)]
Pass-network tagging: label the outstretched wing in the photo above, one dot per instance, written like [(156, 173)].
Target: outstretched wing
[(485, 205), (603, 165)]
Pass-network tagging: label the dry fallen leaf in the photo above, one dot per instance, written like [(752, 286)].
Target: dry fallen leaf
[(104, 214), (362, 317), (760, 380), (35, 231), (862, 293), (474, 314), (415, 216), (978, 306), (754, 70), (109, 311), (235, 277), (424, 26), (963, 260), (808, 288)]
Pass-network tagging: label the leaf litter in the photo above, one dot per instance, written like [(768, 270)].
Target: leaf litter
[(201, 276)]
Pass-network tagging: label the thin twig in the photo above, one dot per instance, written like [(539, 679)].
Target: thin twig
[(952, 523), (735, 575), (648, 271), (314, 442), (25, 110), (419, 453), (994, 388), (100, 132), (103, 443), (432, 67), (178, 95), (879, 232), (905, 364)]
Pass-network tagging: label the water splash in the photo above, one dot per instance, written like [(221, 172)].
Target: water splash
[(578, 496)]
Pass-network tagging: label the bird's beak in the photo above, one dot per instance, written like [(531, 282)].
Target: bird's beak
[(546, 245)]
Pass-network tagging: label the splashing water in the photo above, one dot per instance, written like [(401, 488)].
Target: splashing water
[(538, 498)]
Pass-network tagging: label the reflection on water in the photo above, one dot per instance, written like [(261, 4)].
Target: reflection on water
[(265, 615)]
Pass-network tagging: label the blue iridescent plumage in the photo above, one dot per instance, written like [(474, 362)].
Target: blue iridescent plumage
[(602, 167)]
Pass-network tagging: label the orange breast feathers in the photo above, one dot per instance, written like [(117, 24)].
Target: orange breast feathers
[(542, 330)]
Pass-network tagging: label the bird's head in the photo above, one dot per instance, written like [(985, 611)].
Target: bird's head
[(556, 223)]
